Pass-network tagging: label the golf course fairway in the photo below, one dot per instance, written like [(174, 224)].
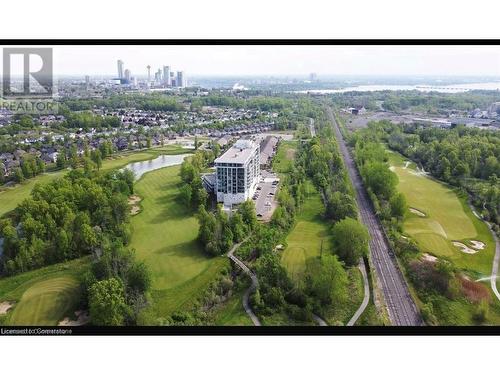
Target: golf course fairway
[(164, 236), (439, 217)]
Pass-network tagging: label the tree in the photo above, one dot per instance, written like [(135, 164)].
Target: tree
[(107, 302), (327, 280), (139, 277), (340, 206), (350, 240), (380, 179), (398, 205), (18, 175), (148, 142), (247, 212), (96, 158), (237, 227), (186, 194)]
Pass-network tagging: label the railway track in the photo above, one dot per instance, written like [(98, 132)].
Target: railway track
[(400, 305)]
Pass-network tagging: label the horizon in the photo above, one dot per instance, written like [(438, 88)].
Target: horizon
[(281, 60)]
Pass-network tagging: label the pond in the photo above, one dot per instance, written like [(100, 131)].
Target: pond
[(141, 167)]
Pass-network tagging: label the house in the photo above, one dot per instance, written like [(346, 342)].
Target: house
[(357, 110)]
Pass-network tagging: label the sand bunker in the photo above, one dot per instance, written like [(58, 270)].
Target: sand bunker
[(477, 245), (417, 212), (419, 172), (82, 318), (5, 306), (429, 258), (464, 248), (132, 201)]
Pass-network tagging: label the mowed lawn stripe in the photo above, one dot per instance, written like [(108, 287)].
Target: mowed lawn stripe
[(309, 235), (47, 302), (164, 235)]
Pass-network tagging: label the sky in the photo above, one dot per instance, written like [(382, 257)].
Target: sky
[(282, 60)]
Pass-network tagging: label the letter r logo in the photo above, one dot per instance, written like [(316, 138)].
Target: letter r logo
[(27, 72)]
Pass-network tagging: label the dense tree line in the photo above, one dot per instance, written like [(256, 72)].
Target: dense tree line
[(116, 286), (426, 102), (464, 157), (436, 282), (65, 219), (87, 120), (380, 181), (192, 192), (325, 283), (218, 232), (150, 102)]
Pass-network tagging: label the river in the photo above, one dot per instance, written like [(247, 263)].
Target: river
[(452, 89), (141, 167)]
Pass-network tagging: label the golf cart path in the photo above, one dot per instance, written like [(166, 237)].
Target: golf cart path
[(496, 258), (253, 287), (366, 297)]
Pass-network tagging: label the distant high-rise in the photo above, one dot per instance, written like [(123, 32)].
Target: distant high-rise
[(120, 69), (87, 82), (166, 75), (313, 77), (127, 75), (149, 73), (181, 79), (158, 78)]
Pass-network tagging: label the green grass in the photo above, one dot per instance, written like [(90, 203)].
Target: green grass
[(10, 197), (233, 313), (47, 302), (164, 236), (448, 218), (341, 314), (283, 160), (44, 296), (308, 236)]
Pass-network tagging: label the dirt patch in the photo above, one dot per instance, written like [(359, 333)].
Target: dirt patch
[(478, 245), (429, 258), (417, 212), (133, 201), (290, 153), (82, 318), (5, 306), (463, 247)]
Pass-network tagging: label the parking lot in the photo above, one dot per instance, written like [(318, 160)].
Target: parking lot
[(265, 196)]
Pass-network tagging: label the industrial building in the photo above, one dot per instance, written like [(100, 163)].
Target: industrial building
[(237, 172)]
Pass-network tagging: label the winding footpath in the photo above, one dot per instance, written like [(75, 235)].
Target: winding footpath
[(366, 297), (253, 287)]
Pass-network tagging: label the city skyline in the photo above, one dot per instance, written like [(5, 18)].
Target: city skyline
[(283, 60)]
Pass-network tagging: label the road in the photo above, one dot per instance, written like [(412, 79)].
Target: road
[(400, 305), (366, 297), (253, 287)]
